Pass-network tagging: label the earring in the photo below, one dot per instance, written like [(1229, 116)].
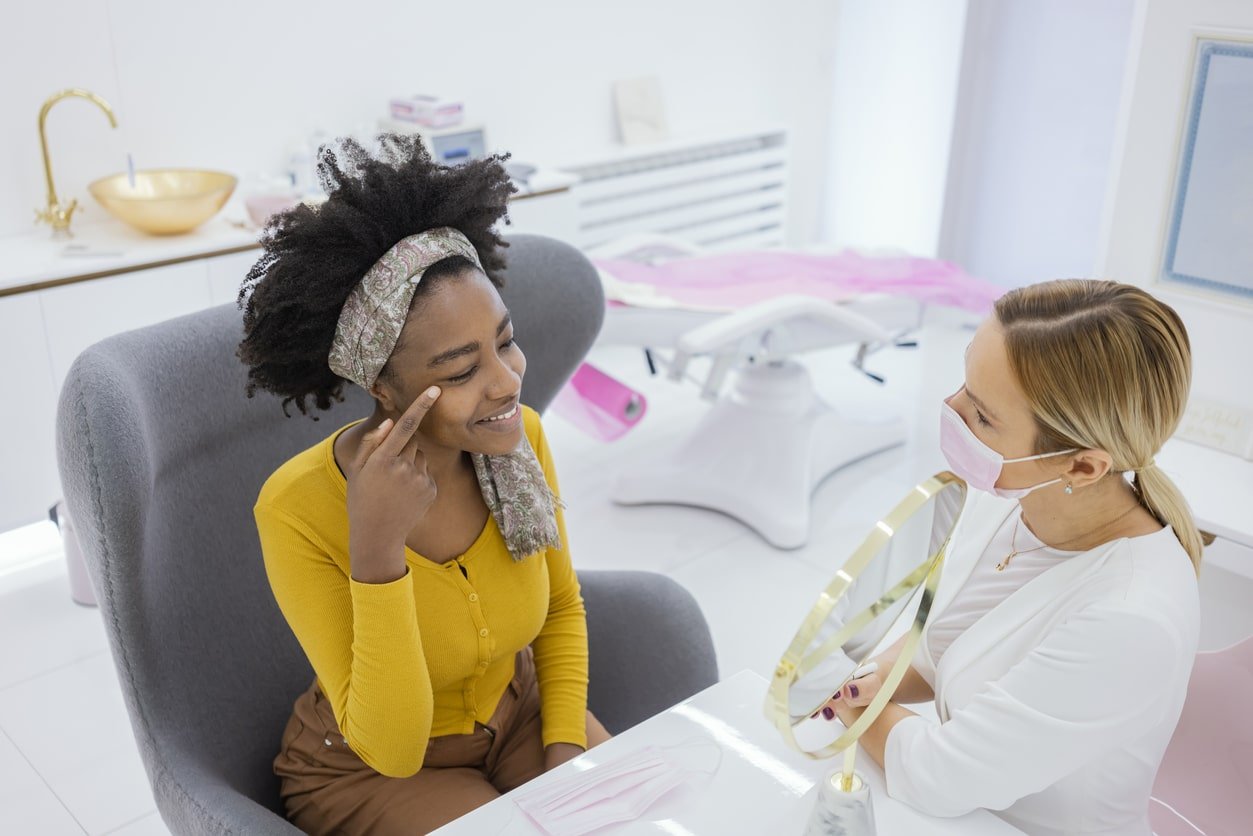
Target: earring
[(1069, 489)]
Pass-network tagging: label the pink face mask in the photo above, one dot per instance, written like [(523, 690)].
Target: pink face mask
[(978, 463), (618, 791)]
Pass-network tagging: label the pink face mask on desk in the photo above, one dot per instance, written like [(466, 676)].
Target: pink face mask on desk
[(975, 461), (613, 792)]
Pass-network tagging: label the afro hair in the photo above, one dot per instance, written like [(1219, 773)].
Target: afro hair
[(315, 255)]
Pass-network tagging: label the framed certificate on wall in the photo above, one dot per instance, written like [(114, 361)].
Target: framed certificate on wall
[(1209, 241)]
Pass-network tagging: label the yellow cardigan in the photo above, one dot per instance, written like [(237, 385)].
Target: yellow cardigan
[(429, 654)]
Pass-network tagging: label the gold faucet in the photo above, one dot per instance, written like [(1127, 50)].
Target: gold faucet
[(54, 214)]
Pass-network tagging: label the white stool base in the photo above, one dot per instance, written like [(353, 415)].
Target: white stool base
[(758, 454)]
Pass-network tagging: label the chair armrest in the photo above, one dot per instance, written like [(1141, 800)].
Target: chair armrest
[(194, 801), (649, 646)]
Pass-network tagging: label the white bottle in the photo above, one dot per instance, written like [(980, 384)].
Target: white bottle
[(317, 140), (300, 167)]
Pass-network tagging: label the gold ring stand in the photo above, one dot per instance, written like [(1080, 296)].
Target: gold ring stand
[(943, 496)]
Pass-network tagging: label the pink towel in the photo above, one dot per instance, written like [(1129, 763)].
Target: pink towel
[(731, 281)]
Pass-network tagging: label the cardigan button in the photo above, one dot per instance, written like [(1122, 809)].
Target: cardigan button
[(483, 632), (474, 596)]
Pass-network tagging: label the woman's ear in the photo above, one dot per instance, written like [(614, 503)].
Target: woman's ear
[(1088, 467), (385, 395)]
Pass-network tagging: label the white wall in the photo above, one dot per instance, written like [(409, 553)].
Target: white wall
[(230, 84), (1034, 137), (896, 72), (1157, 82)]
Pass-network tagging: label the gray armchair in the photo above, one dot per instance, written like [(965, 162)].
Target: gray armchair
[(161, 458)]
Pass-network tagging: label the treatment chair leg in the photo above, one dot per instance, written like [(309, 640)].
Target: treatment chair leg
[(758, 454)]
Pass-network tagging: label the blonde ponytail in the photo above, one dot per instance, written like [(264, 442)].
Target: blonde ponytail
[(1105, 366), (1163, 500)]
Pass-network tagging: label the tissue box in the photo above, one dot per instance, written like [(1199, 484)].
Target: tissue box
[(431, 111)]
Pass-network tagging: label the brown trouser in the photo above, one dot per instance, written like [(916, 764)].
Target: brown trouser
[(328, 789)]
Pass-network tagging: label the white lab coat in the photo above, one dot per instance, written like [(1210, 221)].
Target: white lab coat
[(1057, 705)]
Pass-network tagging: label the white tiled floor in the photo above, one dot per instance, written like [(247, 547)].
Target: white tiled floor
[(68, 763)]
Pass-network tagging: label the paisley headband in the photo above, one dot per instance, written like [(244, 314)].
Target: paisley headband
[(376, 310)]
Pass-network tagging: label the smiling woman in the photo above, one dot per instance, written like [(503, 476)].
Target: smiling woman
[(419, 554), (315, 257)]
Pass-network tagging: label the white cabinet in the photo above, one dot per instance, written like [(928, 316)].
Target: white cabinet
[(28, 479), (1226, 590), (41, 333), (554, 214), (1231, 556), (79, 315), (226, 274)]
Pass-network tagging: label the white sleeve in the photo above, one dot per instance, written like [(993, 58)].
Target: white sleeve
[(1095, 684), (922, 664)]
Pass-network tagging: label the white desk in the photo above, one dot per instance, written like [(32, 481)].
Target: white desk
[(759, 786), (1217, 485)]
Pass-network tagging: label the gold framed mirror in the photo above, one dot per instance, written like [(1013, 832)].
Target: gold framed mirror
[(883, 591)]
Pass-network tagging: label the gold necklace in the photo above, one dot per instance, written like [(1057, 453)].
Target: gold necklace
[(1013, 540), (1013, 547)]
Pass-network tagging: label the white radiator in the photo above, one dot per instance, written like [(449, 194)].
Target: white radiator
[(722, 194)]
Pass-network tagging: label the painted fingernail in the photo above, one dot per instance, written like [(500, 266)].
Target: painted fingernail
[(852, 689), (828, 713)]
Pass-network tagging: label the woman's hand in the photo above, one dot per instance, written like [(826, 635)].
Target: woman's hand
[(850, 702), (856, 694), (389, 491), (558, 753)]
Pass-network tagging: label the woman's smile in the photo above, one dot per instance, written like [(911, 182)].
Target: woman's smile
[(503, 421)]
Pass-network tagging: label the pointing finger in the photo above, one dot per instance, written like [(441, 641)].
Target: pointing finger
[(407, 426), (371, 441)]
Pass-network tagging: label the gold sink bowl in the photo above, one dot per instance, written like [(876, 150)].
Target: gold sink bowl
[(164, 201)]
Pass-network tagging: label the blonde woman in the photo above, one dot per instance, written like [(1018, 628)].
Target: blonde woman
[(1066, 623)]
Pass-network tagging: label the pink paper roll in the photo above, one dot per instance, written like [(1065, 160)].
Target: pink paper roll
[(600, 405)]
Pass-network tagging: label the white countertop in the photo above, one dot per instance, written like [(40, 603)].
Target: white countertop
[(105, 247), (743, 778)]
